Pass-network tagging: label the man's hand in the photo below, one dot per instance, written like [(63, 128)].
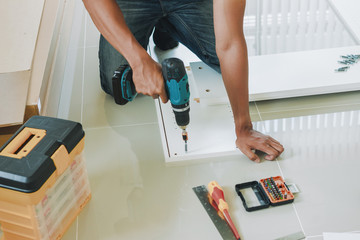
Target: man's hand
[(148, 79), (250, 139)]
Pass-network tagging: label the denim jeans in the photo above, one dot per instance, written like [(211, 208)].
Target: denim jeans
[(189, 22)]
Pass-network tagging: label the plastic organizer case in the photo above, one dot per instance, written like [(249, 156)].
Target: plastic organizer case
[(43, 179), (259, 195)]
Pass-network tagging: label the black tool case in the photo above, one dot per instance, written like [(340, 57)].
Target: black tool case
[(267, 192)]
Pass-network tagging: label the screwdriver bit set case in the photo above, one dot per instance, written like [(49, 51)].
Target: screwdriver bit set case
[(268, 191)]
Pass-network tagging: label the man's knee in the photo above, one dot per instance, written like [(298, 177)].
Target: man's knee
[(105, 82), (109, 60)]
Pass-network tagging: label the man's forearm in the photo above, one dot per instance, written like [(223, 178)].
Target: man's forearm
[(234, 68), (109, 20), (232, 52)]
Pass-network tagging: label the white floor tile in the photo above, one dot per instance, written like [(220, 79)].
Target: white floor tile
[(92, 35), (321, 157), (71, 232), (71, 95), (78, 36), (136, 196)]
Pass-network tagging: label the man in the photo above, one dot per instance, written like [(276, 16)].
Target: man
[(126, 26)]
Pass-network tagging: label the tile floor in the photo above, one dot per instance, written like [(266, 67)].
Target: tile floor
[(135, 196)]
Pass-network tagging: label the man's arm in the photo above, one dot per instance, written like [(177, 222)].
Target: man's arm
[(232, 52), (109, 20)]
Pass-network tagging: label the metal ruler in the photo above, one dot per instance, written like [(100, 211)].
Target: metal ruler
[(221, 224)]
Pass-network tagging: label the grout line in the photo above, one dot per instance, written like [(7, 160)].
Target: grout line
[(297, 215), (281, 172), (83, 72), (309, 108), (84, 47), (82, 101), (313, 236), (316, 236), (77, 228), (259, 114), (257, 109)]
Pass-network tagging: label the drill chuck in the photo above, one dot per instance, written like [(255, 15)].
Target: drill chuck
[(182, 115)]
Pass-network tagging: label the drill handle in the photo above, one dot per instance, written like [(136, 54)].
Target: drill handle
[(176, 82), (173, 69)]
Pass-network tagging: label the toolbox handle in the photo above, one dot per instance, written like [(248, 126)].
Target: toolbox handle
[(27, 139), (23, 143)]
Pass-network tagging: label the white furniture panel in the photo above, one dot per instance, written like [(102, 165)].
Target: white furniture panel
[(284, 75), (211, 129), (211, 133)]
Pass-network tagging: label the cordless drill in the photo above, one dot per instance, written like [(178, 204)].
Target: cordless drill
[(176, 86)]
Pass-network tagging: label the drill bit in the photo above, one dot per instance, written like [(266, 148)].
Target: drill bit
[(185, 138)]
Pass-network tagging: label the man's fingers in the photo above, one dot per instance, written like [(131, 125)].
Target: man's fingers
[(163, 96), (269, 157), (267, 148), (275, 144), (249, 139), (274, 140), (250, 154), (271, 152)]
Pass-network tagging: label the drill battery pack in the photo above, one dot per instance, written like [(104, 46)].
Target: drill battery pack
[(268, 191), (43, 179), (123, 86)]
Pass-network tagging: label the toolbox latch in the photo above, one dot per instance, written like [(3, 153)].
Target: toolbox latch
[(61, 159)]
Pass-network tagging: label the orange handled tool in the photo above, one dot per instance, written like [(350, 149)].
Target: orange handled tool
[(217, 194)]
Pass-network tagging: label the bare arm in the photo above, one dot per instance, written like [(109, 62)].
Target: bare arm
[(232, 52), (109, 20)]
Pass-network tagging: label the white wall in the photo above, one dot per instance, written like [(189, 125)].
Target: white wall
[(277, 26), (54, 68)]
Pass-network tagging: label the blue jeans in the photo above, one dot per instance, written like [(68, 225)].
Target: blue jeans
[(189, 22)]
